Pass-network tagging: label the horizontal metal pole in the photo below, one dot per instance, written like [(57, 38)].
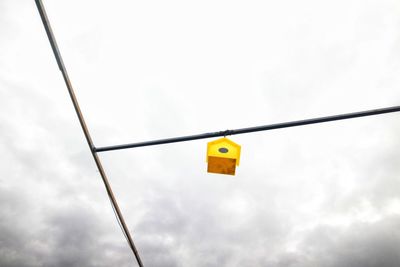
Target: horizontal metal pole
[(253, 129)]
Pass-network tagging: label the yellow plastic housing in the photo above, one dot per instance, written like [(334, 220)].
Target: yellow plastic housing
[(223, 155)]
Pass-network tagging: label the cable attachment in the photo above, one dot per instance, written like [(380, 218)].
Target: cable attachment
[(227, 132)]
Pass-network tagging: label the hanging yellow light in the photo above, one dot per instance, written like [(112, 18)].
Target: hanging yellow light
[(223, 155)]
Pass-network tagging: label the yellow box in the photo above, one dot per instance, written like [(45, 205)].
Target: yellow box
[(223, 155)]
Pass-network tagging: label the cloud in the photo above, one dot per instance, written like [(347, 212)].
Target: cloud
[(73, 235), (46, 217), (359, 245), (323, 195)]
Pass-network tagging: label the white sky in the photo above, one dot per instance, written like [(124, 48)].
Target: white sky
[(320, 195)]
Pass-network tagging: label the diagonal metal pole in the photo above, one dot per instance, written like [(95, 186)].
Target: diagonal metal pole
[(63, 70), (253, 129)]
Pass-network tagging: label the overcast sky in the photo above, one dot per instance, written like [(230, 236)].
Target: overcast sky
[(320, 195)]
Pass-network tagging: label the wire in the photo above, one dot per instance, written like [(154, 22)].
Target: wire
[(119, 222), (253, 129)]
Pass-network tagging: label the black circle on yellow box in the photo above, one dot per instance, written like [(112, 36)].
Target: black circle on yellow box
[(223, 150)]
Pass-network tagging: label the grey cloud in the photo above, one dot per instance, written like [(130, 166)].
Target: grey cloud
[(73, 235), (37, 228), (75, 238), (187, 229), (359, 245), (53, 208)]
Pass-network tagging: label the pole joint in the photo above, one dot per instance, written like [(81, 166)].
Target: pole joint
[(227, 132)]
